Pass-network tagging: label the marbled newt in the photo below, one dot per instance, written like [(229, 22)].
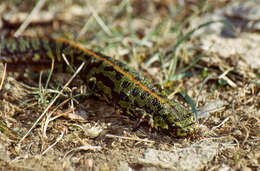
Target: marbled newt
[(114, 81)]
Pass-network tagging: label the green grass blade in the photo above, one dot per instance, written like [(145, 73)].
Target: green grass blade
[(191, 103), (192, 63)]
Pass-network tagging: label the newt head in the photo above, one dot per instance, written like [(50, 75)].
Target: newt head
[(176, 120)]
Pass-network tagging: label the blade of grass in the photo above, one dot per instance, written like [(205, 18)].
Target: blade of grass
[(100, 21), (50, 74), (3, 76), (179, 76), (191, 103), (162, 61), (192, 63), (182, 74), (35, 10)]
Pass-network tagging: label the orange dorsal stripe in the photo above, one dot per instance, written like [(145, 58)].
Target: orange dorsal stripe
[(115, 67)]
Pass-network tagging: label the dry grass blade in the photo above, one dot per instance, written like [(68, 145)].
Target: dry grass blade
[(224, 77), (48, 119), (35, 10), (100, 21), (129, 138), (67, 62), (85, 148), (3, 77), (58, 139), (219, 125)]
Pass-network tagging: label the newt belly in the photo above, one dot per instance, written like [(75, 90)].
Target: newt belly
[(114, 81)]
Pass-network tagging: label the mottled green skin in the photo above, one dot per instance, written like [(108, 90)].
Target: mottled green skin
[(102, 73)]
